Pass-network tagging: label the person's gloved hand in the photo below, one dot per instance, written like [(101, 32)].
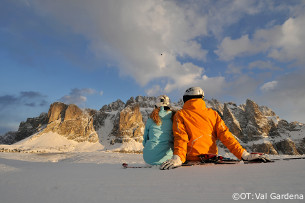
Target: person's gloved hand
[(171, 163), (255, 157)]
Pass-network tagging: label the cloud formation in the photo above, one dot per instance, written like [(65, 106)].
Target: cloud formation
[(26, 98), (78, 96), (147, 39), (268, 86), (15, 108), (286, 95), (282, 42), (164, 47)]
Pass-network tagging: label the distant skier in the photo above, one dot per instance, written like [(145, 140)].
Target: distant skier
[(158, 135), (196, 129)]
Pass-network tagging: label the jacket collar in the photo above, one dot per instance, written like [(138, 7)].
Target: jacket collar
[(163, 113), (194, 104)]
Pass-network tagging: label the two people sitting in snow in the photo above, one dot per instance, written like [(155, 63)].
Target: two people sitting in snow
[(172, 138)]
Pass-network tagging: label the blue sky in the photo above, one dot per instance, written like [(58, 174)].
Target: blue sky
[(94, 52)]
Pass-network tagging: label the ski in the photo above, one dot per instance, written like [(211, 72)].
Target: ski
[(125, 166), (211, 159), (289, 158), (199, 163), (190, 163), (214, 158)]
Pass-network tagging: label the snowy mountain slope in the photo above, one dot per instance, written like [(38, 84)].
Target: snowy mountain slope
[(98, 177), (50, 143)]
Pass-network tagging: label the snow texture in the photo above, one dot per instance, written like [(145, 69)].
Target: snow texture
[(97, 176)]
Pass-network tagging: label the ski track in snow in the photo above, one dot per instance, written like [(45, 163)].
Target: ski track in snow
[(88, 177)]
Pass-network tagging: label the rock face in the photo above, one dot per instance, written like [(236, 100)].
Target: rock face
[(247, 122), (214, 104), (261, 130), (128, 125), (57, 112), (71, 122), (114, 106), (120, 123), (287, 146), (267, 148), (257, 125), (258, 128), (31, 126), (9, 138)]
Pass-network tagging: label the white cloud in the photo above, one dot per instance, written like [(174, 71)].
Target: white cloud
[(154, 91), (222, 14), (290, 43), (268, 86), (263, 65), (77, 96), (73, 99), (134, 34), (229, 48), (233, 69), (281, 42), (287, 97), (212, 86)]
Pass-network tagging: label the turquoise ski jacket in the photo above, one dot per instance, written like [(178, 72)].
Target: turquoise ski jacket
[(158, 139)]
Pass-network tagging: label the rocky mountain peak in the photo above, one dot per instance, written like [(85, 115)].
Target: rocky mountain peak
[(131, 120), (216, 105), (253, 110), (57, 111), (73, 112), (258, 124), (114, 106), (142, 101), (71, 122), (231, 120), (31, 126), (258, 128)]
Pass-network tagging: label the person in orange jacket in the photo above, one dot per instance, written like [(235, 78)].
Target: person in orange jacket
[(196, 129)]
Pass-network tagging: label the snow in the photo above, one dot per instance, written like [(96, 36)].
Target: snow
[(131, 145), (69, 171), (105, 130), (274, 119), (97, 176), (296, 136), (51, 143), (54, 143)]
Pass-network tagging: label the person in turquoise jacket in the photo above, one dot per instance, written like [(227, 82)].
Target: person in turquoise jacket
[(158, 134)]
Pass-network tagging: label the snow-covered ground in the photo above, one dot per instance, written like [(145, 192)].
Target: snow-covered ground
[(88, 177), (68, 171)]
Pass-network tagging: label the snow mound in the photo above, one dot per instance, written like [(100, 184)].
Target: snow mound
[(130, 146), (51, 143)]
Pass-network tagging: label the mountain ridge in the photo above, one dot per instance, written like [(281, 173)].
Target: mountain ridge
[(119, 126)]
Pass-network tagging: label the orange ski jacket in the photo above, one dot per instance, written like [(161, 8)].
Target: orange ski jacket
[(196, 129)]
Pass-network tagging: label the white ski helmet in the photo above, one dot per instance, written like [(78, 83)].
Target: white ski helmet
[(194, 91), (162, 100)]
